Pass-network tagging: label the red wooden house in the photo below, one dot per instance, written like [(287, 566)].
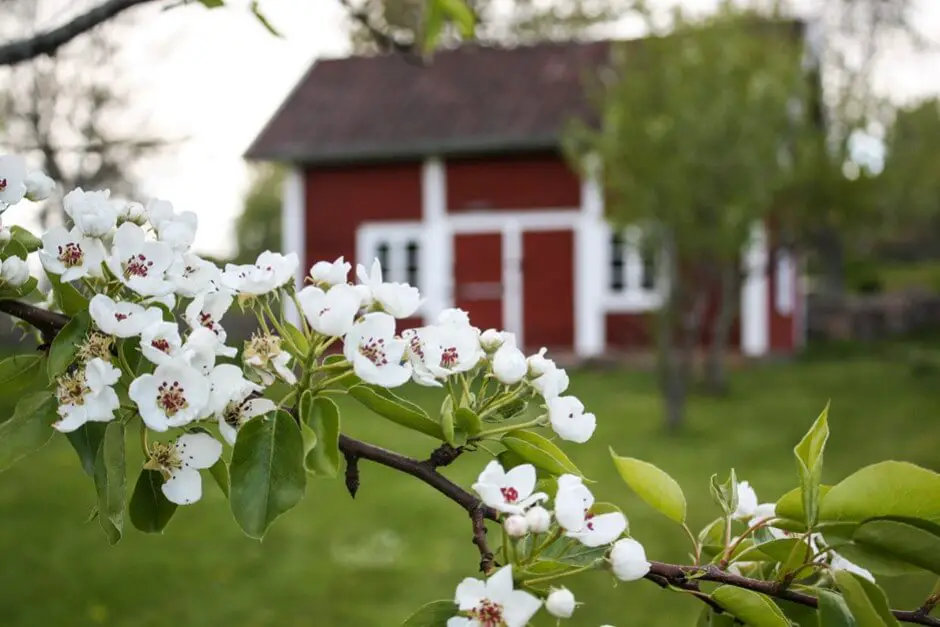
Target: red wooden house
[(451, 175)]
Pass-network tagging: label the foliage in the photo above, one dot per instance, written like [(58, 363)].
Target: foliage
[(258, 227)]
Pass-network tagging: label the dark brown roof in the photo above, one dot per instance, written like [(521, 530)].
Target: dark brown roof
[(472, 99)]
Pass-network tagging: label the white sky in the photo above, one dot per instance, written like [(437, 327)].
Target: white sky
[(215, 77)]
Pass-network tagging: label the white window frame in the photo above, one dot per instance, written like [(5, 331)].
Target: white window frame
[(634, 297), (397, 235)]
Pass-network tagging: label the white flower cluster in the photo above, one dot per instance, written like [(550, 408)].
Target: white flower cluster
[(17, 183)]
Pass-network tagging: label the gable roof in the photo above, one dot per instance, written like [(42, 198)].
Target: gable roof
[(468, 100)]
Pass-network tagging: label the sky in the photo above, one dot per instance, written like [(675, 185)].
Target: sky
[(210, 80)]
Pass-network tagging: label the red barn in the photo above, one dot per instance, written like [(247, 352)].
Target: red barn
[(451, 175)]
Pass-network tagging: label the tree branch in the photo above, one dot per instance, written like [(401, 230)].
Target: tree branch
[(48, 42), (48, 322)]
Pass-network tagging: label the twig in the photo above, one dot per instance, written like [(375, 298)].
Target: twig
[(443, 455), (50, 41), (48, 322), (479, 539), (352, 473)]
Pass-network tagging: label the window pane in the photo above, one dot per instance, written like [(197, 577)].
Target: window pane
[(381, 253), (650, 269), (412, 253), (617, 247)]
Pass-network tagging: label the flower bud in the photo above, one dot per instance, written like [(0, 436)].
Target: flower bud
[(491, 339), (539, 519), (38, 186), (5, 236), (539, 364), (628, 560), (132, 212), (560, 603), (509, 365), (516, 526), (14, 271)]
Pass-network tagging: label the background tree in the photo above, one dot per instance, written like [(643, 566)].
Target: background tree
[(258, 228)]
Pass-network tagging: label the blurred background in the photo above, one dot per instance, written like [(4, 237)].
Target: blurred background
[(766, 223)]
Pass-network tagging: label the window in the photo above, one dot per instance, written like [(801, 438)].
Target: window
[(635, 276), (397, 247)]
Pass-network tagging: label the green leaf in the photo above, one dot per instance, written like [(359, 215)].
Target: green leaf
[(708, 618), (323, 459), (297, 344), (434, 22), (573, 554), (866, 601), (460, 14), (468, 421), (725, 494), (433, 614), (833, 612), (24, 238), (752, 608), (212, 4), (219, 472), (66, 343), (774, 550), (22, 291), (256, 11), (540, 452), (29, 429), (658, 489), (809, 460), (110, 481), (876, 561), (86, 440), (149, 509), (67, 297), (790, 507), (20, 373), (448, 426), (902, 541), (885, 489), (15, 249), (398, 410), (267, 472)]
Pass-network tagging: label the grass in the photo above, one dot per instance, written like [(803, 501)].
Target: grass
[(370, 562)]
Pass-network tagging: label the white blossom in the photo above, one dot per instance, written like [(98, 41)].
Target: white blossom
[(201, 348), (38, 186), (326, 273), (516, 526), (160, 342), (228, 384), (192, 275), (206, 311), (173, 396), (5, 235), (511, 491), (269, 272), (422, 349), (459, 342), (237, 413), (840, 563), (122, 318), (628, 560), (568, 420), (140, 264), (560, 603), (176, 229), (509, 364), (87, 396), (332, 312), (397, 299), (180, 461), (493, 603), (93, 213), (573, 503), (491, 340), (266, 357), (375, 353), (132, 212), (14, 271), (539, 519), (747, 501), (70, 254), (548, 379), (12, 180)]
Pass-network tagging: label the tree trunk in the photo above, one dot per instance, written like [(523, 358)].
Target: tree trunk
[(832, 262), (716, 373)]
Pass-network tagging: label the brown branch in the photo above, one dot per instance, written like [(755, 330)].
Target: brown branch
[(50, 41), (443, 455), (662, 574)]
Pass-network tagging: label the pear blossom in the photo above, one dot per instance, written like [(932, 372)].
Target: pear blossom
[(491, 340), (628, 560), (548, 379), (176, 229), (516, 526), (5, 235), (422, 349), (397, 299), (332, 312), (12, 180), (180, 462), (237, 413), (70, 254), (121, 318), (509, 363), (160, 342), (192, 275), (227, 384), (459, 342), (14, 271), (93, 213), (201, 348), (560, 603), (374, 351), (206, 311), (266, 357), (38, 186), (747, 501), (86, 395), (509, 491), (173, 396), (493, 603), (539, 519), (269, 272), (326, 273), (132, 212), (141, 265), (764, 511), (573, 503), (568, 420), (837, 562)]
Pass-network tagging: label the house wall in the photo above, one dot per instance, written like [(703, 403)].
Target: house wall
[(511, 182)]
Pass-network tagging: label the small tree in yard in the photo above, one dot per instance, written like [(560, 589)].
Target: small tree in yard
[(693, 137)]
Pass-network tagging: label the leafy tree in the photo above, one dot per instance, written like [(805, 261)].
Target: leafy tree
[(258, 228)]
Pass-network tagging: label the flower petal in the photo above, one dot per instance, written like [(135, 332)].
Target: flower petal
[(519, 608), (469, 593), (183, 487), (522, 478), (198, 450)]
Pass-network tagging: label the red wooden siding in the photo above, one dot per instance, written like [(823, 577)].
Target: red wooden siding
[(548, 289), (630, 331), (338, 199), (781, 326), (478, 278), (538, 181)]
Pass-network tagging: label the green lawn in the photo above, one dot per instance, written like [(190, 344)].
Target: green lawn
[(370, 562)]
